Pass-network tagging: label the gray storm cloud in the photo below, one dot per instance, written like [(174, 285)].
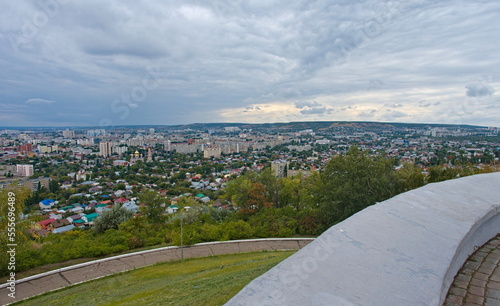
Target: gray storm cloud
[(211, 56)]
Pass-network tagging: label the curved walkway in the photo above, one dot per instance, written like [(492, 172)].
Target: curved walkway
[(53, 280), (478, 282)]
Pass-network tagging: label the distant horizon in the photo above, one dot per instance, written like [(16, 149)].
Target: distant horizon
[(239, 123)]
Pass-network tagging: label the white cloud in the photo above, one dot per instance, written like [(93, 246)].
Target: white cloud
[(39, 101)]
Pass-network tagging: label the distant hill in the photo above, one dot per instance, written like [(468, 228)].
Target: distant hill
[(318, 125), (282, 126)]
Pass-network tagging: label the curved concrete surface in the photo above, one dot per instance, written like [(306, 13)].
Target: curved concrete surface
[(53, 280), (403, 251)]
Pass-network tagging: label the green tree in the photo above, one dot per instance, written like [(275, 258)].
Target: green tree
[(410, 176), (351, 182), (53, 186), (111, 219), (247, 196), (237, 191), (297, 192), (154, 206)]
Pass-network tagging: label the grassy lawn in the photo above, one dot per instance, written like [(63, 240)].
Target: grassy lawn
[(202, 281)]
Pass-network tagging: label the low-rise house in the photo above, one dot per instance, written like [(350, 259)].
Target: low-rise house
[(55, 215), (172, 209), (63, 229), (99, 208), (79, 223), (44, 223), (89, 219), (200, 195), (67, 208), (217, 203), (131, 206), (95, 189), (57, 223), (205, 199), (73, 218), (90, 206), (121, 200), (119, 193), (46, 204), (197, 185), (77, 210)]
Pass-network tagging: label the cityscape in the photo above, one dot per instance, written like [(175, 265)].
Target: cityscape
[(211, 154), (195, 152)]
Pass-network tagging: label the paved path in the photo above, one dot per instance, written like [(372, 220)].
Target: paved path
[(478, 282)]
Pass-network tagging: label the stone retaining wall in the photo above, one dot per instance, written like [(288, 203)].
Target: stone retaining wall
[(403, 251), (53, 280)]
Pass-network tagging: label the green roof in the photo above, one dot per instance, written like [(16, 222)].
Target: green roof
[(101, 205), (79, 221), (200, 195), (67, 207), (91, 217)]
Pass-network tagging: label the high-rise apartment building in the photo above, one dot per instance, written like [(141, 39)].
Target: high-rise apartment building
[(105, 149), (68, 134), (24, 170)]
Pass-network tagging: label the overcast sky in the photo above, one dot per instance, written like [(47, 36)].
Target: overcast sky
[(91, 63)]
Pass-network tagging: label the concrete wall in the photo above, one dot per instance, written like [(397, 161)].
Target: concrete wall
[(403, 251), (41, 283)]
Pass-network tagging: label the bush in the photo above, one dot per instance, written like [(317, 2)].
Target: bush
[(110, 219), (237, 230), (274, 223)]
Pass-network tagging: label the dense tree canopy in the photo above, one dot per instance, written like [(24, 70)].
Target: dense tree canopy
[(353, 181)]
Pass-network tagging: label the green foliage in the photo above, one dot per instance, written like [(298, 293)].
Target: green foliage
[(410, 176), (278, 222), (298, 192), (237, 230), (110, 219), (120, 186), (309, 222), (53, 186), (212, 232), (154, 208), (141, 233), (237, 191), (79, 243), (251, 192), (440, 173), (13, 227), (351, 182)]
